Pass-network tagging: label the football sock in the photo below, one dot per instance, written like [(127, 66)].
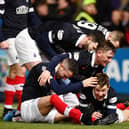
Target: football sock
[(19, 82), (9, 92), (64, 108)]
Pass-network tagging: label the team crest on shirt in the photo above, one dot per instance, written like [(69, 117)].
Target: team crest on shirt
[(82, 96), (76, 56)]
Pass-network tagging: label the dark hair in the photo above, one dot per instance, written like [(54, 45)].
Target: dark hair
[(72, 66), (103, 79), (106, 46), (97, 36)]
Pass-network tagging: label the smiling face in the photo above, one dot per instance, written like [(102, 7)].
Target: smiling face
[(100, 92), (104, 57)]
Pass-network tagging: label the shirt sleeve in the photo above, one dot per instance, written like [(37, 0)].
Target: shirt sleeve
[(68, 34), (44, 44), (112, 101), (63, 89), (84, 103), (33, 18)]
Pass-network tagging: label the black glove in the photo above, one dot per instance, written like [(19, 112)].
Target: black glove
[(110, 119)]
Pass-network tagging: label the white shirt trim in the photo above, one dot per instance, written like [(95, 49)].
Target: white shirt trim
[(79, 39), (111, 107), (2, 11), (107, 34), (31, 10), (83, 105), (50, 36), (93, 59), (70, 55)]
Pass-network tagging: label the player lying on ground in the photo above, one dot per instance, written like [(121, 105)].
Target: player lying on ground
[(42, 109)]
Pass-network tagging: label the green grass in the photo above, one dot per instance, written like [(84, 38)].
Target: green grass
[(16, 125)]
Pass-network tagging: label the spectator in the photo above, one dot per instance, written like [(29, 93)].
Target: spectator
[(88, 11), (125, 22), (104, 8)]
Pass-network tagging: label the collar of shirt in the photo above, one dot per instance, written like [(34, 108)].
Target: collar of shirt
[(79, 39), (93, 60)]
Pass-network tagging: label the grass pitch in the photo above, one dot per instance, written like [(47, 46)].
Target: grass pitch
[(61, 125)]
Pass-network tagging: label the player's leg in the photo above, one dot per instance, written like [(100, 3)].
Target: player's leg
[(63, 108), (15, 79), (27, 54), (125, 114), (46, 103), (27, 50), (10, 82), (19, 83), (36, 109)]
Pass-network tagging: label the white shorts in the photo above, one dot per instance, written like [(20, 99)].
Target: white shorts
[(120, 115), (71, 99), (12, 55), (31, 113), (26, 48)]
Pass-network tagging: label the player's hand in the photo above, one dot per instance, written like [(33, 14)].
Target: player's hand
[(92, 45), (4, 45), (44, 77), (90, 82), (96, 115)]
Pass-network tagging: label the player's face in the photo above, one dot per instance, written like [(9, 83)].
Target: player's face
[(100, 92), (104, 57), (63, 72)]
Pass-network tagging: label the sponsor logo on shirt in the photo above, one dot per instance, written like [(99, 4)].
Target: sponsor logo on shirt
[(22, 10)]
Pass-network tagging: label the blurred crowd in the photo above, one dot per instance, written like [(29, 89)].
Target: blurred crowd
[(113, 14)]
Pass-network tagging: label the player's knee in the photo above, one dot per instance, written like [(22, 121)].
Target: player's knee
[(58, 117)]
